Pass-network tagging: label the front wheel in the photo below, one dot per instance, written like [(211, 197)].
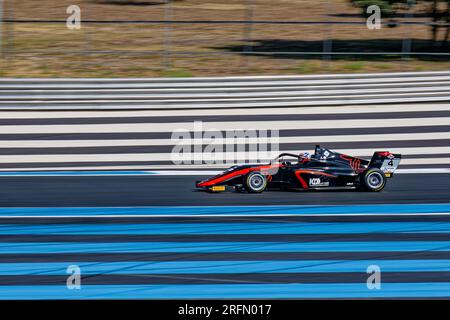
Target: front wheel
[(373, 180), (256, 182)]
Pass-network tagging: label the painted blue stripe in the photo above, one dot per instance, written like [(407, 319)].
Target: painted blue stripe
[(230, 210), (204, 267), (206, 247), (228, 267), (236, 291), (227, 228)]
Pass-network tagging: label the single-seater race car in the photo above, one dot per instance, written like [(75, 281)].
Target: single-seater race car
[(325, 169)]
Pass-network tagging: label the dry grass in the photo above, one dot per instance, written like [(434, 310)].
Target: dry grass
[(138, 50)]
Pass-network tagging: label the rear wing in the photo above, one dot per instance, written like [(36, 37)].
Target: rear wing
[(385, 161)]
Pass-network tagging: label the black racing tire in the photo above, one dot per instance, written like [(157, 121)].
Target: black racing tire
[(373, 180), (255, 182)]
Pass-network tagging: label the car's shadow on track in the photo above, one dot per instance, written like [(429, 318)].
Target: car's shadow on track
[(287, 191)]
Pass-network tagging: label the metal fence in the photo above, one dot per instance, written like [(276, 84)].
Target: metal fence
[(220, 92), (171, 46)]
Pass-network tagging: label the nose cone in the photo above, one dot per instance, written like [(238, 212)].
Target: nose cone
[(223, 176), (200, 183)]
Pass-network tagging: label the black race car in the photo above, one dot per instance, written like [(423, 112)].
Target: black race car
[(325, 169)]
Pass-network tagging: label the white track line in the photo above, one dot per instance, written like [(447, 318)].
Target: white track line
[(147, 171), (200, 173), (168, 142), (227, 215), (214, 112), (249, 125), (52, 158)]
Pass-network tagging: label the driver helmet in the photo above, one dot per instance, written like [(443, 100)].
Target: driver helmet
[(306, 155)]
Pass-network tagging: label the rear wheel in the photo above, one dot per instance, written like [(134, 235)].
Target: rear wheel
[(373, 180), (255, 182)]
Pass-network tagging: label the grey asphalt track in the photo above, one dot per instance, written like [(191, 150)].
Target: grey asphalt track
[(179, 191)]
